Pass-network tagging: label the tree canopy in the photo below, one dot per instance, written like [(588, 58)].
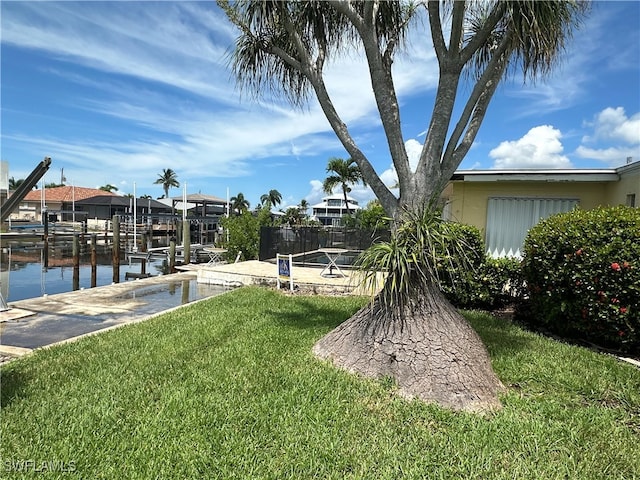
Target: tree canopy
[(109, 188), (343, 173), (239, 204), (284, 47), (271, 199), (168, 178)]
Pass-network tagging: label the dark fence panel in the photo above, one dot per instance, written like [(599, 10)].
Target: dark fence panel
[(302, 240)]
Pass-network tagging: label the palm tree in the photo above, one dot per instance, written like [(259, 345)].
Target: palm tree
[(271, 199), (14, 184), (168, 178), (303, 206), (109, 188), (345, 173), (239, 204), (409, 332)]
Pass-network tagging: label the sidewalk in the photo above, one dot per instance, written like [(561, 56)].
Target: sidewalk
[(254, 272)]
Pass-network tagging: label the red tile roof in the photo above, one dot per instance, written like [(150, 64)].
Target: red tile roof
[(64, 194)]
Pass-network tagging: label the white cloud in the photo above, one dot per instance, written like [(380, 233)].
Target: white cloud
[(613, 124), (615, 137), (612, 156), (316, 194), (540, 147), (414, 149)]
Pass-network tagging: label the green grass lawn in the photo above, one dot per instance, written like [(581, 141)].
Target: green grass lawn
[(228, 388)]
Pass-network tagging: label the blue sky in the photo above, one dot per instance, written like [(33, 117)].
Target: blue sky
[(114, 92)]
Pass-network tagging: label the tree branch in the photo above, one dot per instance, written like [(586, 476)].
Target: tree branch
[(457, 22), (486, 79), (433, 7), (383, 88)]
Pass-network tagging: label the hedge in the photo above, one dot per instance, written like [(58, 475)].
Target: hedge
[(582, 270)]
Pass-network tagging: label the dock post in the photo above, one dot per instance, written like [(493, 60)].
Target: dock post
[(94, 263), (76, 261), (45, 253), (172, 255), (179, 231), (45, 239), (185, 292), (116, 248), (45, 223), (143, 249), (186, 241)]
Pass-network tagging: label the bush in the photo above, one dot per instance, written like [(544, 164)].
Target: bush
[(583, 275), (242, 234), (485, 283)]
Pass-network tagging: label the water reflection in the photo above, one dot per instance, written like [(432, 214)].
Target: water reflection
[(31, 268)]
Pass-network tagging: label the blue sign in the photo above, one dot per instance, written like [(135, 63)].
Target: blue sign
[(284, 268)]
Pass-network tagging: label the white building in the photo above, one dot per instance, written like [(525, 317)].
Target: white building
[(332, 208)]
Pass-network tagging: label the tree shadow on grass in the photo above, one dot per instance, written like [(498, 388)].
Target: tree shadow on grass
[(308, 314), (501, 337), (13, 381)]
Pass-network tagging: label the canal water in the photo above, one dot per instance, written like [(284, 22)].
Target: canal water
[(26, 271)]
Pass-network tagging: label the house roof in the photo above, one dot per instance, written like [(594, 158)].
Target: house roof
[(65, 194), (116, 200), (200, 198), (325, 200), (531, 175), (547, 175)]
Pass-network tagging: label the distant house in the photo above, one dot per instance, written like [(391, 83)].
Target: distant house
[(332, 208), (198, 204), (505, 204), (59, 201), (203, 212), (104, 207)]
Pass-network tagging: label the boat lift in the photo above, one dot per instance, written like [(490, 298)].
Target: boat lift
[(14, 200)]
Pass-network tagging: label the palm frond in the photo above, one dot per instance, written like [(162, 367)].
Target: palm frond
[(421, 247)]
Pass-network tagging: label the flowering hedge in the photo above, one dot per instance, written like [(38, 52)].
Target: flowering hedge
[(582, 270)]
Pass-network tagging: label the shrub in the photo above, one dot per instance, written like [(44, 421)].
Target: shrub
[(583, 275), (485, 283)]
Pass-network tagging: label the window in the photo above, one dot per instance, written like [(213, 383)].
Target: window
[(509, 220), (631, 200)]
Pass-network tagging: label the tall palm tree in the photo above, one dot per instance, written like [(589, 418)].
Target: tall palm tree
[(271, 199), (168, 178), (109, 188), (410, 332), (345, 173), (239, 204)]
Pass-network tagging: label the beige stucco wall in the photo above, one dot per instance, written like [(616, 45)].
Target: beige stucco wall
[(468, 200), (629, 184)]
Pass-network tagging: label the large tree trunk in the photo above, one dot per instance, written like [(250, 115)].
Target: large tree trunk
[(424, 343)]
